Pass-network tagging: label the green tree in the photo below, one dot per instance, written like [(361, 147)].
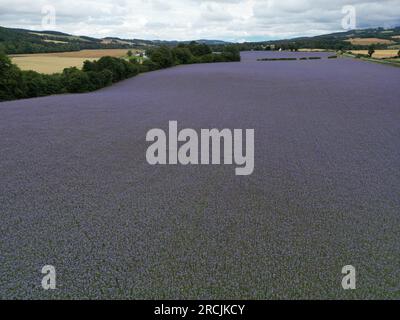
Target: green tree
[(231, 53), (148, 65), (89, 66), (11, 82), (199, 49), (163, 57), (119, 68), (371, 50), (75, 80), (183, 55), (100, 79), (129, 53), (36, 84), (208, 58)]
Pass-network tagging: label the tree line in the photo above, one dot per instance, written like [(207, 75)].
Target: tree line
[(18, 84)]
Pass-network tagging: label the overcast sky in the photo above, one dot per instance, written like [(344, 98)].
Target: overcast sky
[(234, 20)]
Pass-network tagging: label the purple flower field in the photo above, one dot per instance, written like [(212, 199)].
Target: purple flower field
[(76, 191)]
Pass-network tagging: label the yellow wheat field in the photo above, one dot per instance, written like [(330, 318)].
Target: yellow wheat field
[(49, 63), (379, 54), (368, 41), (312, 50)]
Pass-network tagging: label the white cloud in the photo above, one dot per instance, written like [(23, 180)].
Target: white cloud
[(192, 19)]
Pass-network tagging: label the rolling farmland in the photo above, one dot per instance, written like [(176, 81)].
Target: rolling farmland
[(77, 192)]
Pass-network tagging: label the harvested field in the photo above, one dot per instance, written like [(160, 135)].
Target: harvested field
[(76, 191), (54, 41), (98, 53), (379, 54), (311, 50), (56, 62), (47, 64), (369, 41)]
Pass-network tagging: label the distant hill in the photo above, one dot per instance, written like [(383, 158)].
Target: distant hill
[(212, 42), (14, 41), (360, 39), (201, 41), (21, 41)]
